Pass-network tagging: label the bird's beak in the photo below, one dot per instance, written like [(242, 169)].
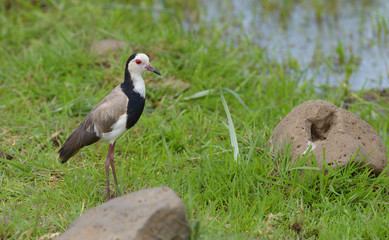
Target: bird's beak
[(152, 69)]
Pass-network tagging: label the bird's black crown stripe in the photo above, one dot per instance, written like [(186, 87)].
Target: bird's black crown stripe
[(130, 58), (127, 75)]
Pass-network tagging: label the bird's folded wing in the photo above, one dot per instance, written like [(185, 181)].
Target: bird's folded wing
[(101, 118)]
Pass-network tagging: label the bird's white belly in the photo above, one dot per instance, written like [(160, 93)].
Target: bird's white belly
[(117, 130)]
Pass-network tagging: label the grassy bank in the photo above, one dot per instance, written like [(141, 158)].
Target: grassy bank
[(50, 80)]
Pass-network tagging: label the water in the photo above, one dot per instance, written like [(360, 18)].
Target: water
[(304, 37)]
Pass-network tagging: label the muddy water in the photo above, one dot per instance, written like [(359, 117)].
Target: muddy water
[(304, 38)]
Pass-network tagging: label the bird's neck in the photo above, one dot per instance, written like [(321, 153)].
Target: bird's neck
[(134, 82)]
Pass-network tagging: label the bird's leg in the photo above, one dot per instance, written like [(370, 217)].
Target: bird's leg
[(108, 161), (107, 174), (112, 162)]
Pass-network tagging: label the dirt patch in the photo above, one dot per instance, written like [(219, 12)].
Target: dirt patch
[(54, 138), (6, 155), (296, 226)]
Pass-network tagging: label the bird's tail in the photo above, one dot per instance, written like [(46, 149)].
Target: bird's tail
[(77, 140)]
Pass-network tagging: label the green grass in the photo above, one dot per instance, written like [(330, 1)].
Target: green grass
[(50, 80)]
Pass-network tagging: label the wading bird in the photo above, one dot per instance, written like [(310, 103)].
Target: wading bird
[(114, 115)]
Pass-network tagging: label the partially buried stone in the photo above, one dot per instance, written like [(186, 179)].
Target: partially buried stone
[(4, 220), (107, 45), (156, 213), (321, 125)]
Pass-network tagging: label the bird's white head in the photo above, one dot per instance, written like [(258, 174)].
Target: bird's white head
[(138, 63)]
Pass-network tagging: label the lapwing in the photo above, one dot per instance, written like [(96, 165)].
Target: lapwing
[(113, 116)]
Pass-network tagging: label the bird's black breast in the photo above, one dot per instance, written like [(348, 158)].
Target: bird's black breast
[(135, 105)]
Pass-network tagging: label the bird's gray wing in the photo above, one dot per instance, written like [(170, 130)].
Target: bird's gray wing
[(98, 121)]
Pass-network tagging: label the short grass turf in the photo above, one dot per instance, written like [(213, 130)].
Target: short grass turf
[(211, 92)]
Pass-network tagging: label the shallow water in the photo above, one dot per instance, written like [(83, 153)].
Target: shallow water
[(303, 37)]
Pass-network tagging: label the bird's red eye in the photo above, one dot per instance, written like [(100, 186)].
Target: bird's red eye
[(138, 61)]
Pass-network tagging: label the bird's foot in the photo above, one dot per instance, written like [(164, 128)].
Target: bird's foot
[(110, 197)]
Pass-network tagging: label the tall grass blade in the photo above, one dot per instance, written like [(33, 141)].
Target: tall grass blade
[(234, 141), (200, 94), (237, 97)]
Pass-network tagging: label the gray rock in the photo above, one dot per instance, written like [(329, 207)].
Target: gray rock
[(4, 220), (322, 125), (107, 45), (156, 213)]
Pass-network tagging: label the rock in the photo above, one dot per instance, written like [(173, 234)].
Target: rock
[(322, 125), (156, 213), (107, 45), (4, 220)]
